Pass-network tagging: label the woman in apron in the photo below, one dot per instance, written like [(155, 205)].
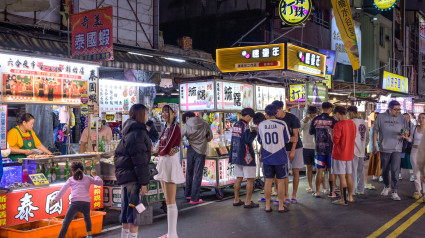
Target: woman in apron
[(22, 139), (170, 171)]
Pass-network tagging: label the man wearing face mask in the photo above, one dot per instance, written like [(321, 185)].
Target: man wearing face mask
[(392, 127)]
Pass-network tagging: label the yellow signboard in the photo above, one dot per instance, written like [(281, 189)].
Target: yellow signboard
[(344, 21), (306, 61), (327, 81), (395, 83), (297, 93), (251, 58), (294, 12), (38, 179), (384, 4)]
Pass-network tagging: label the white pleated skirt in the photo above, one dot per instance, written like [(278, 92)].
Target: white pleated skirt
[(170, 169)]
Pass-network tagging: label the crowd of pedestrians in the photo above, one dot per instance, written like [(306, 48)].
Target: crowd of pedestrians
[(334, 142)]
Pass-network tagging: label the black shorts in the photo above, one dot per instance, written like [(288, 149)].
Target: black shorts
[(280, 171), (309, 156)]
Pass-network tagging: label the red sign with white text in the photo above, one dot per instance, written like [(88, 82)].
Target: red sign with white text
[(92, 35), (33, 205)]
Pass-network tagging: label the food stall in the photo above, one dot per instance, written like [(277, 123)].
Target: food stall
[(30, 184), (264, 96), (218, 102), (116, 97)]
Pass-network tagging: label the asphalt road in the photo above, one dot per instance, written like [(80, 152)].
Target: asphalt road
[(370, 215)]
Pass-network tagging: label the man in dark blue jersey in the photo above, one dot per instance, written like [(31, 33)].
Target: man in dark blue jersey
[(321, 127)]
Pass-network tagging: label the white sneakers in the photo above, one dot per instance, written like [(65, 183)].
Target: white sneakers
[(385, 191), (395, 197), (381, 179), (412, 178)]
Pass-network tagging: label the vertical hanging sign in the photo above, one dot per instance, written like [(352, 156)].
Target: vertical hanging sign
[(344, 21), (92, 35)]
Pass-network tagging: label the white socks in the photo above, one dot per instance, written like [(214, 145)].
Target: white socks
[(125, 233), (172, 215), (132, 235)]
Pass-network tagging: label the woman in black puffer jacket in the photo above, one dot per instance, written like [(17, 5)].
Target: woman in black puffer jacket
[(132, 157)]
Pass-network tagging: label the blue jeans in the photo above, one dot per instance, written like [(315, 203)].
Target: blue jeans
[(194, 170)]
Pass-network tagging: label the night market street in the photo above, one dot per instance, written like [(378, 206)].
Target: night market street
[(371, 215)]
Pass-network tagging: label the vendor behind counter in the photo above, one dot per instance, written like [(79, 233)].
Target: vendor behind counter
[(22, 139), (104, 131)]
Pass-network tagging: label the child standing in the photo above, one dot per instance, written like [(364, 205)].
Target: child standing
[(80, 200)]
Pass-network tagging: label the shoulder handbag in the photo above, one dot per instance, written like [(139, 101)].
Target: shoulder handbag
[(151, 166), (144, 218)]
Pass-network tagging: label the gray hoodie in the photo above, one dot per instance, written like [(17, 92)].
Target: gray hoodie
[(199, 133), (388, 129)]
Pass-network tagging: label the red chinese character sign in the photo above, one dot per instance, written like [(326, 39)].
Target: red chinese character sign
[(33, 205), (294, 12), (92, 35)]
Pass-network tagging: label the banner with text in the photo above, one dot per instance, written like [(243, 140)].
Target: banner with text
[(197, 96), (92, 35), (344, 22), (38, 80), (265, 95), (34, 205), (421, 21), (117, 96), (234, 96)]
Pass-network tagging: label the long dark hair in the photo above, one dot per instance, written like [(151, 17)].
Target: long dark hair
[(77, 169), (26, 117)]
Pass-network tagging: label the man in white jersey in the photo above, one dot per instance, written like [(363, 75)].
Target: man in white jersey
[(362, 139), (272, 135)]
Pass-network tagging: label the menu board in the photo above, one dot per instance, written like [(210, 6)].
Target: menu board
[(30, 79), (265, 95), (117, 96), (3, 127), (234, 96), (418, 108), (297, 93), (197, 96)]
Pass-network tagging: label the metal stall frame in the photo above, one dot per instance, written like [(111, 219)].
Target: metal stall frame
[(218, 188)]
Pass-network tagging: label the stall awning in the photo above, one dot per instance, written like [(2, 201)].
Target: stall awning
[(44, 46), (158, 64)]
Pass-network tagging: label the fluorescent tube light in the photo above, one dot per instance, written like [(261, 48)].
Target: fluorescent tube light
[(134, 53), (175, 59)]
